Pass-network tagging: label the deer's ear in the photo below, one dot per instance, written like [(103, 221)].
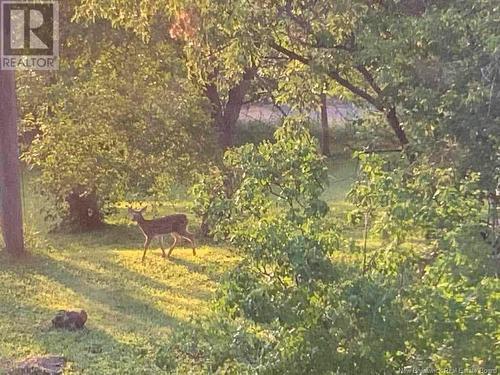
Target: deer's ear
[(130, 210), (143, 209)]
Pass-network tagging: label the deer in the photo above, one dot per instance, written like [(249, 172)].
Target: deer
[(175, 225)]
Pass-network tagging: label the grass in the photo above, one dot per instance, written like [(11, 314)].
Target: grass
[(342, 172), (132, 307)]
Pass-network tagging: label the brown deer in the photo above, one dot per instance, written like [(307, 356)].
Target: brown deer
[(175, 225)]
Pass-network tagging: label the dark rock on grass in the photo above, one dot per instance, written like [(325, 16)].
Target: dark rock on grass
[(46, 365), (71, 320)]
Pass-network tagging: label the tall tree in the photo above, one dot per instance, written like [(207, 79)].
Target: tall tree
[(327, 38), (219, 67), (325, 130), (10, 192)]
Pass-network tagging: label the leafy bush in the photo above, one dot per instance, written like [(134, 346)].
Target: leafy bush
[(289, 308), (255, 181), (214, 345), (403, 201), (353, 326), (456, 308), (415, 196)]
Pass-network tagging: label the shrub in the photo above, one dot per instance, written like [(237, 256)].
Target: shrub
[(289, 308)]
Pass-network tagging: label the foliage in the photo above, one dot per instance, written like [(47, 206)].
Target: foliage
[(456, 308), (310, 317), (121, 127), (350, 326), (429, 69), (209, 50), (404, 200), (447, 86), (414, 195), (213, 345), (217, 63), (289, 170), (210, 194), (289, 307)]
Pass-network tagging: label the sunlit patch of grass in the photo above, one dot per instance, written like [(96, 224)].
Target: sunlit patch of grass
[(342, 174)]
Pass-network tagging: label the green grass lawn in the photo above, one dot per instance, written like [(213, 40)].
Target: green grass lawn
[(132, 307)]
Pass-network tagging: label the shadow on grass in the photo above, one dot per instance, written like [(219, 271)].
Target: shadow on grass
[(140, 281), (125, 325), (210, 269), (112, 236), (100, 291)]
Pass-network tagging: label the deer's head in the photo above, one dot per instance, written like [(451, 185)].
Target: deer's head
[(136, 215)]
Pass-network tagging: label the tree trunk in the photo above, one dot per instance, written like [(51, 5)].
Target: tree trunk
[(10, 187), (225, 116), (325, 130), (84, 211), (232, 113), (217, 112), (394, 123)]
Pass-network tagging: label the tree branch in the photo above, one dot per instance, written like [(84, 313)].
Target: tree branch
[(332, 74), (369, 78), (377, 102), (269, 90)]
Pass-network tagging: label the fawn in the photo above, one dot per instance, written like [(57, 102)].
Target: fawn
[(175, 225)]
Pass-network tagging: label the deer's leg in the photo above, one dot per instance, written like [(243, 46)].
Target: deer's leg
[(146, 245), (162, 246), (173, 245), (189, 236)]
